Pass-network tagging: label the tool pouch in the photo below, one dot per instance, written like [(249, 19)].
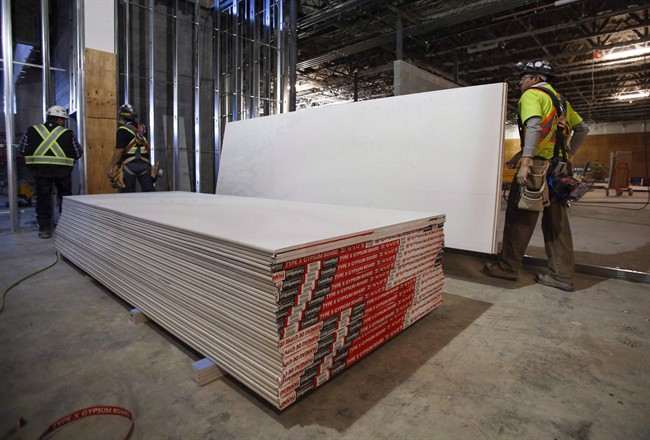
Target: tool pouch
[(535, 197), (530, 200), (117, 179), (579, 191)]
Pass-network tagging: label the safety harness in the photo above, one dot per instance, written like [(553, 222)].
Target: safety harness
[(559, 150), (131, 152), (134, 148), (49, 144), (560, 182)]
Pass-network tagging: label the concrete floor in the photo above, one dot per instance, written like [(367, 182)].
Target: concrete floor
[(498, 360), (608, 231)]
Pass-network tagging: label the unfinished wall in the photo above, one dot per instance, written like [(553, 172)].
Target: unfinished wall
[(411, 79), (597, 149), (510, 148), (101, 122)]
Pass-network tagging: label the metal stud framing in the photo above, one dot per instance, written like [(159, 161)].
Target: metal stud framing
[(47, 94), (79, 69), (45, 50), (197, 97), (152, 95), (8, 73), (242, 47)]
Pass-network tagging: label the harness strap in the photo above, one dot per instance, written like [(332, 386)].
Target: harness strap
[(138, 140), (128, 170), (560, 147)]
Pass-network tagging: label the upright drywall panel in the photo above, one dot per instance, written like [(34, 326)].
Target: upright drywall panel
[(438, 151), (408, 79)]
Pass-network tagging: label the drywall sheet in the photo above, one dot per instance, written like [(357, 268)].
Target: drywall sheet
[(283, 295), (438, 151)]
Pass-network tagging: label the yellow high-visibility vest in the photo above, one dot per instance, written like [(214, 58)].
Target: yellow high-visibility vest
[(49, 143), (138, 141)]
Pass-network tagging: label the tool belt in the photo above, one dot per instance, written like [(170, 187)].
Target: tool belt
[(534, 197), (562, 185), (117, 179)]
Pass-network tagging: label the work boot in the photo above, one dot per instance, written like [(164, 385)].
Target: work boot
[(44, 234), (548, 280), (494, 270)]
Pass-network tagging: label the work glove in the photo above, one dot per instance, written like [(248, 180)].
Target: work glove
[(116, 177), (111, 172), (156, 171), (522, 172)]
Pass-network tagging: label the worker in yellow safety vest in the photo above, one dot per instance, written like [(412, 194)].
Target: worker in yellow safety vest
[(51, 151), (551, 133), (131, 157)]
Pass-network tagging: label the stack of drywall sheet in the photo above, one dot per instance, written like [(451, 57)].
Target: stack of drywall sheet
[(282, 295)]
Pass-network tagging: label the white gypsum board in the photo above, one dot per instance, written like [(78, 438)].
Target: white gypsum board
[(159, 270), (263, 224), (161, 243), (435, 152), (377, 234), (159, 264), (228, 306), (190, 247), (220, 348), (154, 307), (152, 300), (127, 225)]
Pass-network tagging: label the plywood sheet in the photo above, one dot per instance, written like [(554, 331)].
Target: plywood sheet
[(101, 84), (101, 111), (100, 142), (439, 151)]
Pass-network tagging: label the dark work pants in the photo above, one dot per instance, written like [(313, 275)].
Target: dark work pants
[(519, 228), (137, 170), (44, 191)]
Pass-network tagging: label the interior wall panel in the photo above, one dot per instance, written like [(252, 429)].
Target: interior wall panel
[(438, 151), (598, 147), (408, 79)]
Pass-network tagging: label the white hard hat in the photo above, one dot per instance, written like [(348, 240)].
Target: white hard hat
[(57, 111)]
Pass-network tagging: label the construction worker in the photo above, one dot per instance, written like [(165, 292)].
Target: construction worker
[(131, 156), (50, 151), (543, 120)]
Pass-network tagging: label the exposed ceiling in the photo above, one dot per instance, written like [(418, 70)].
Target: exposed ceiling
[(477, 42)]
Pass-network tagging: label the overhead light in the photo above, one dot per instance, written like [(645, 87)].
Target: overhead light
[(626, 53), (635, 95)]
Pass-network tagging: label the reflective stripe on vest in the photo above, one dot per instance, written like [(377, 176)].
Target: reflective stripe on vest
[(49, 143), (133, 146)]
